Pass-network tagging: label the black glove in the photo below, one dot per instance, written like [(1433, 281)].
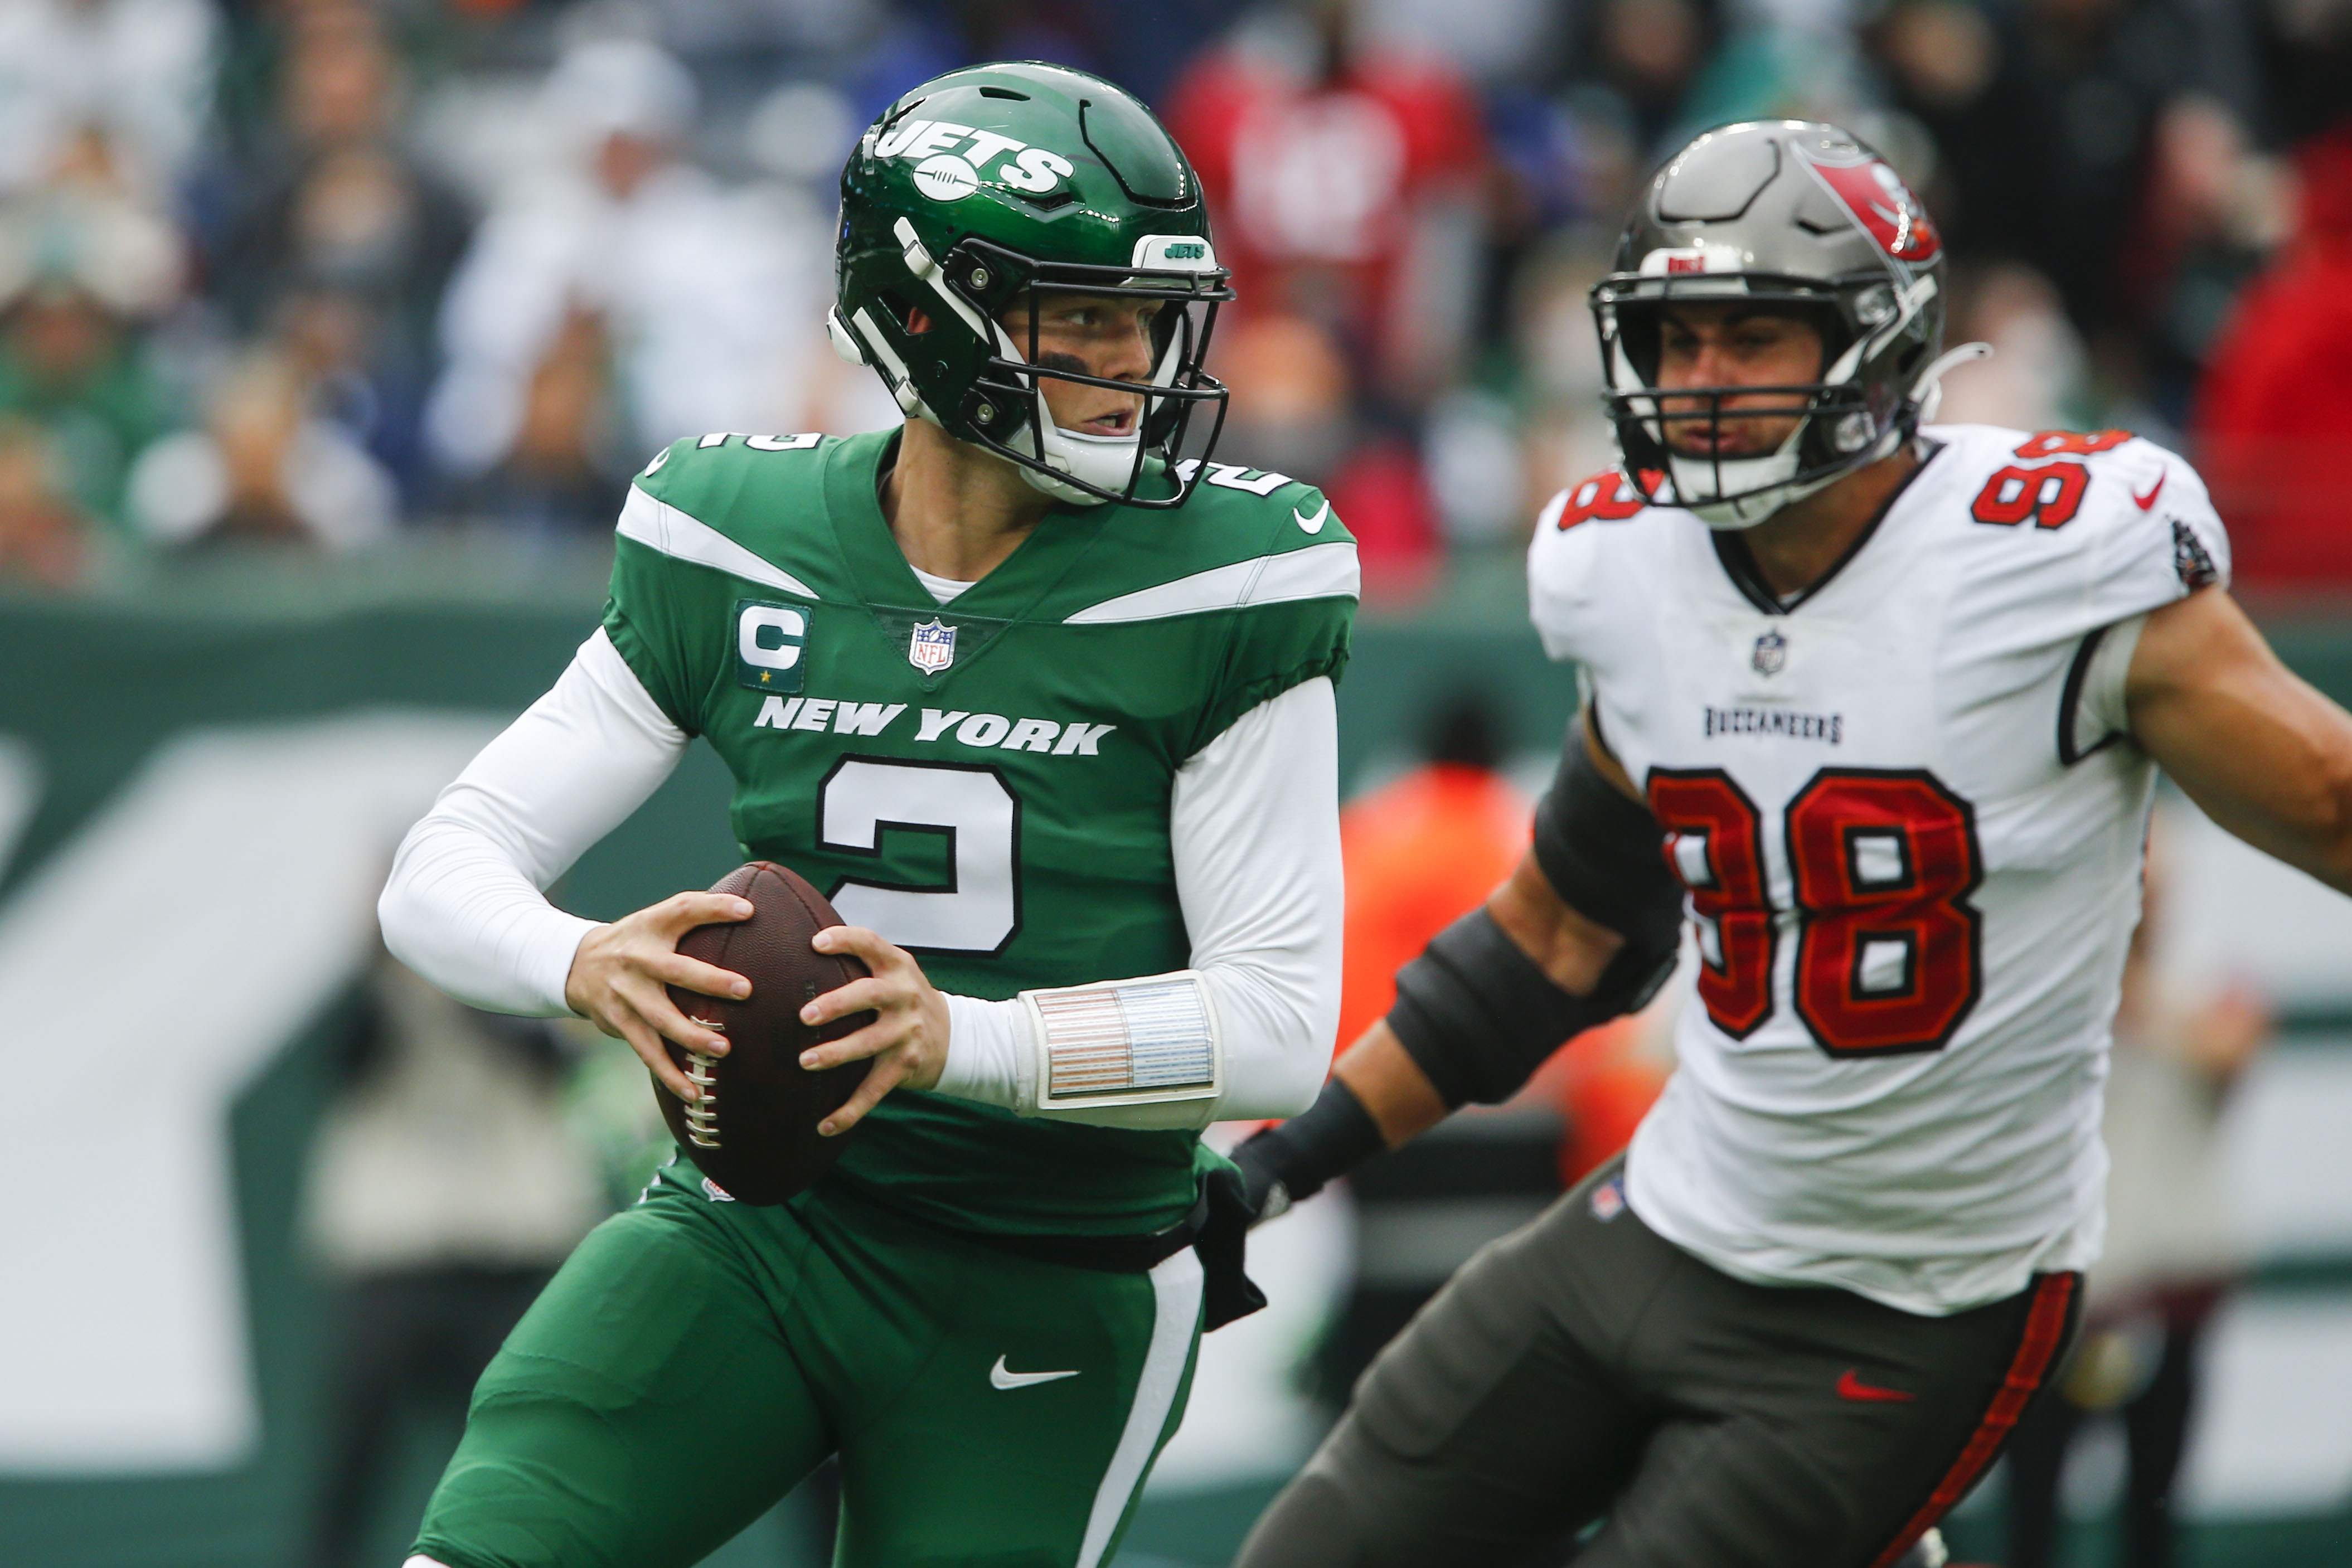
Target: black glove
[(1227, 1291), (1292, 1161)]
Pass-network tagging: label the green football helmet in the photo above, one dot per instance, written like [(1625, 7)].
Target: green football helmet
[(985, 184)]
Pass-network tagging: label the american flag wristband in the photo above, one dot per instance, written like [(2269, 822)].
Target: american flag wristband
[(1127, 1042)]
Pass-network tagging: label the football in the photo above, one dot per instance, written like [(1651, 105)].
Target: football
[(754, 1132)]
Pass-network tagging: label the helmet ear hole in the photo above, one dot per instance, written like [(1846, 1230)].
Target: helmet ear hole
[(1829, 325)]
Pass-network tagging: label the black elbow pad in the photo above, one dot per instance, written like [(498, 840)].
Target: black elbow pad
[(1479, 1016), (1603, 855)]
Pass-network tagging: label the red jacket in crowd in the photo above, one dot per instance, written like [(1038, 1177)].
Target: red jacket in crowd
[(2273, 424)]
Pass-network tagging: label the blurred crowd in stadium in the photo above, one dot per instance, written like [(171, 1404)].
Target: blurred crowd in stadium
[(316, 272)]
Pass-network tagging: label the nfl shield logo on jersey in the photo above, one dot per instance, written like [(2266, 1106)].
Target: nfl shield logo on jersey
[(932, 648), (1771, 652)]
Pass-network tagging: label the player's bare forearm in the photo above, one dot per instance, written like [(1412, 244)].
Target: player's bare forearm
[(2262, 752), (1398, 1097), (621, 973), (1570, 949)]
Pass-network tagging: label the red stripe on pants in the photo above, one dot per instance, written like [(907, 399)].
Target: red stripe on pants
[(2045, 1326)]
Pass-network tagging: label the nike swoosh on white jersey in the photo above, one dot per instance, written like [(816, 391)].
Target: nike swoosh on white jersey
[(1000, 1379), (1313, 525)]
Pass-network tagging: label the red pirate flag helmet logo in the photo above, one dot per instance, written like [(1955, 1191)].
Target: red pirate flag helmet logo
[(1880, 202)]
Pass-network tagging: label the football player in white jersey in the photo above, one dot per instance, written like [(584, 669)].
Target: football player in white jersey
[(1877, 706)]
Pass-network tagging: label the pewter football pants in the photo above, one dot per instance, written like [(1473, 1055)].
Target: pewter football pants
[(697, 1357), (1583, 1368)]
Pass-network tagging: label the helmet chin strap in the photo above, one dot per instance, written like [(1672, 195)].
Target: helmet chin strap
[(1106, 462), (1747, 511), (1755, 497), (1927, 391), (1103, 461), (1089, 457)]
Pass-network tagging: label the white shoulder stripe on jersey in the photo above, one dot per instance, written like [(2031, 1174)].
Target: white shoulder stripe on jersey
[(659, 525), (1317, 571)]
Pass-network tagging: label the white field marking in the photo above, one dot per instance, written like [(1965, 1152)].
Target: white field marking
[(2231, 912), (148, 972), (20, 792), (2273, 1428), (2290, 1186)]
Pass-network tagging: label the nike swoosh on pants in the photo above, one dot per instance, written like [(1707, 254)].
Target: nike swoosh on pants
[(999, 1376), (1850, 1386)]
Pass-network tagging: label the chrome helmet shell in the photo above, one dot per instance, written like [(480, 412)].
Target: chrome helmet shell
[(1795, 215)]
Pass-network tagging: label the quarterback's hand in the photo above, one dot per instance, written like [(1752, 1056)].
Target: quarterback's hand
[(908, 1040), (619, 972)]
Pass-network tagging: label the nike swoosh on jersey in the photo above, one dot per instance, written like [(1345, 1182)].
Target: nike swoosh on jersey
[(998, 1377), (2144, 502), (1313, 525), (1850, 1386)]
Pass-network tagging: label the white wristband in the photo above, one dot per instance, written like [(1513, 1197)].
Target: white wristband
[(1127, 1043)]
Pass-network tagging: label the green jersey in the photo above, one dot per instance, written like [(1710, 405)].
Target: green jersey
[(986, 783)]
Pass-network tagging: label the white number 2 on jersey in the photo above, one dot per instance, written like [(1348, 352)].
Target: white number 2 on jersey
[(978, 908)]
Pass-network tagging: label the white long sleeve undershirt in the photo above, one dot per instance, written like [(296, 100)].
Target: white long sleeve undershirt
[(1252, 823)]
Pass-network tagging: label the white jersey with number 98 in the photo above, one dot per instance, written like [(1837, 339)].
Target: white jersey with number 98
[(1910, 827)]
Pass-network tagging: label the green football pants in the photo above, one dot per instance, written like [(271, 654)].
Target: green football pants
[(697, 1357)]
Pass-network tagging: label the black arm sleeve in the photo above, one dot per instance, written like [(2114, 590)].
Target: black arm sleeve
[(1283, 1165), (1476, 1014), (1603, 853)]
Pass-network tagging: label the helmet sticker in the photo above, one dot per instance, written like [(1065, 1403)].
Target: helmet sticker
[(1881, 202), (946, 172), (1670, 262), (945, 178), (1175, 253), (1037, 170)]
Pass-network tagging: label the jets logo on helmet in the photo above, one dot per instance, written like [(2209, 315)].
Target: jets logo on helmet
[(984, 188), (958, 154), (1788, 216)]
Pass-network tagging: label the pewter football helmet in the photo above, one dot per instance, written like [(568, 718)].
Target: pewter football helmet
[(1798, 215)]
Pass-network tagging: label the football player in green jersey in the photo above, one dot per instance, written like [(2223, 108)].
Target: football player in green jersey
[(1064, 757)]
